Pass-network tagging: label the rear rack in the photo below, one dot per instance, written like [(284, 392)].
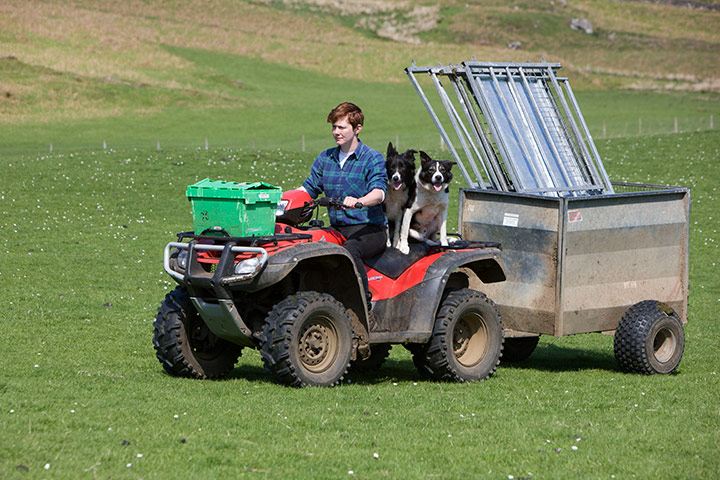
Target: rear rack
[(518, 125)]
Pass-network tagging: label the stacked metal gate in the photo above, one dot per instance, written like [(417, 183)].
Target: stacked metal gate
[(518, 127)]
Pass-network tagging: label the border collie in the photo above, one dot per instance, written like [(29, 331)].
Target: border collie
[(400, 193), (427, 216)]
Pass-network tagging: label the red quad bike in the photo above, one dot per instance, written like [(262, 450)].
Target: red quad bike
[(297, 297)]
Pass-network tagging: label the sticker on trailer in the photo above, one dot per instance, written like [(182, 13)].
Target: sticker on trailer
[(574, 216), (511, 219)]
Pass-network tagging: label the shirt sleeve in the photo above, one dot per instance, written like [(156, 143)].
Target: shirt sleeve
[(377, 175), (314, 183)]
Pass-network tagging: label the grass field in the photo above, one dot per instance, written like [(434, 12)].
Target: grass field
[(83, 227), (84, 396)]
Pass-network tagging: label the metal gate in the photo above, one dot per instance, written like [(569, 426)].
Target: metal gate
[(518, 127)]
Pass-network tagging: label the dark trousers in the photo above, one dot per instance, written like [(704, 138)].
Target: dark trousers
[(363, 241)]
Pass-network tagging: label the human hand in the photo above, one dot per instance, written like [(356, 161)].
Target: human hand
[(350, 202)]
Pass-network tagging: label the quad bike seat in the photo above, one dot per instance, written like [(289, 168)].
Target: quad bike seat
[(392, 262)]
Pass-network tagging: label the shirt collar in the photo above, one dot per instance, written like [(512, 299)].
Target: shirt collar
[(357, 153)]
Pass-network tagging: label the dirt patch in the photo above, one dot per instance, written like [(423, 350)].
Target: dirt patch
[(398, 21)]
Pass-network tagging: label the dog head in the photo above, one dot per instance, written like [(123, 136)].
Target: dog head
[(434, 174), (400, 167)]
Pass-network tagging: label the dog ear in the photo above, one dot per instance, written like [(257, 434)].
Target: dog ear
[(410, 154), (449, 163), (424, 157), (391, 150)]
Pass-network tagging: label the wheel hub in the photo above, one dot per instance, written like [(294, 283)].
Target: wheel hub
[(470, 340), (314, 344), (664, 345)]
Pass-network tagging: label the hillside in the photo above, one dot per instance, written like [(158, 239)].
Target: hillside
[(74, 61)]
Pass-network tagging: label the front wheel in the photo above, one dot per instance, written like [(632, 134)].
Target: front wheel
[(649, 339), (467, 339), (307, 340), (184, 344)]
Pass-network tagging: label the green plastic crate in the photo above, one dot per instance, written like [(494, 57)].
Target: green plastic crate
[(240, 209)]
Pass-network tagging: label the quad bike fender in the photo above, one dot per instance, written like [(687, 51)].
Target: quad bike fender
[(410, 316), (316, 266)]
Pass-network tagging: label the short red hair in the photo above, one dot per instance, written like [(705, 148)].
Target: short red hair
[(346, 109)]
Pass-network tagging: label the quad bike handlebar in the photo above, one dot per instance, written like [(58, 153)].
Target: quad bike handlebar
[(330, 202)]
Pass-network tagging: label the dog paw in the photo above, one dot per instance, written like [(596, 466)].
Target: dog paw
[(404, 248)]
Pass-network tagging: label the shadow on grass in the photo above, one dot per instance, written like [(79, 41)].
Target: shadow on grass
[(552, 358), (390, 371), (251, 373), (546, 358)]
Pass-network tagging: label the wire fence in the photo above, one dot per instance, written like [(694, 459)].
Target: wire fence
[(430, 142)]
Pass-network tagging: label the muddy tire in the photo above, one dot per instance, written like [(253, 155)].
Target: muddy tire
[(378, 354), (467, 339), (519, 349), (184, 344), (307, 340), (649, 339)]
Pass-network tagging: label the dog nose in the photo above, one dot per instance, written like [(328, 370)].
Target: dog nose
[(396, 176)]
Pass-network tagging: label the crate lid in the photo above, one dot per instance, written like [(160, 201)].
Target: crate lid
[(233, 190)]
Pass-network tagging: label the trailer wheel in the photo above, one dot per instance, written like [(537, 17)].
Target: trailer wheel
[(307, 340), (378, 354), (184, 344), (467, 339), (519, 349), (649, 339)]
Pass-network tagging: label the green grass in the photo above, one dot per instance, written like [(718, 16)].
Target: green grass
[(82, 392), (239, 102)]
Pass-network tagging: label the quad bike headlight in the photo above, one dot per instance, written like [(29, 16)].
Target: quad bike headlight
[(182, 258), (281, 206), (247, 266)]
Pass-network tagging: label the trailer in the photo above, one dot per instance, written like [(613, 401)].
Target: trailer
[(582, 254)]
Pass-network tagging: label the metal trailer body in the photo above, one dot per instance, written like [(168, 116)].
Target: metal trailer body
[(575, 264), (579, 250)]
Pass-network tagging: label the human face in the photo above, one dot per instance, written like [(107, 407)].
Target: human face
[(345, 135)]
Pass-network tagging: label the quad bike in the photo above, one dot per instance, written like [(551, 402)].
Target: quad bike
[(297, 297)]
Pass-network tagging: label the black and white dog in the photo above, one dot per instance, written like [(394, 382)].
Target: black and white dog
[(400, 193), (427, 215)]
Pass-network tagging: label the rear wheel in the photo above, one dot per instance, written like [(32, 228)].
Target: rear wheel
[(519, 349), (467, 340), (185, 345), (307, 340), (649, 339)]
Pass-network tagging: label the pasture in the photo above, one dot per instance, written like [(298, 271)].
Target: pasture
[(83, 395)]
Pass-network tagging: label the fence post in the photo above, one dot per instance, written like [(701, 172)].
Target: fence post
[(639, 126), (51, 148), (442, 144), (303, 143), (676, 125), (711, 122), (397, 141), (158, 145), (206, 143)]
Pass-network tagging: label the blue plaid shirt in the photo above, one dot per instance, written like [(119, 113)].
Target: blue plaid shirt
[(362, 172)]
